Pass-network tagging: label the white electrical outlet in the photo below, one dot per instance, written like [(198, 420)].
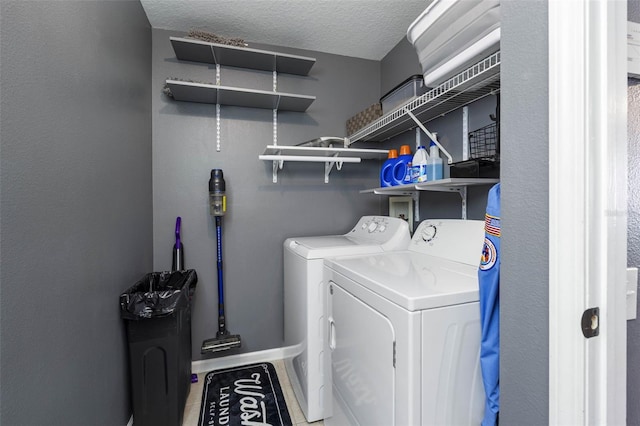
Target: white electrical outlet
[(632, 290)]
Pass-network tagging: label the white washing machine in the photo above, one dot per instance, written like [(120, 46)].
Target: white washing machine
[(304, 321), (404, 331)]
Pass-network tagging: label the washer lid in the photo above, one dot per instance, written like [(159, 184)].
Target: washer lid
[(412, 280), (372, 234), (331, 245)]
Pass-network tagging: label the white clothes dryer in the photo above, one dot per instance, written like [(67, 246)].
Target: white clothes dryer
[(403, 344), (304, 321)]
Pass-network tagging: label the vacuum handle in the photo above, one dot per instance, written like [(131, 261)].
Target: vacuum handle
[(219, 265)]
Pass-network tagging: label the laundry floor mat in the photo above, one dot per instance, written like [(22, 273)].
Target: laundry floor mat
[(247, 395)]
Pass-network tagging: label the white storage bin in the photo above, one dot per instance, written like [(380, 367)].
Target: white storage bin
[(451, 35)]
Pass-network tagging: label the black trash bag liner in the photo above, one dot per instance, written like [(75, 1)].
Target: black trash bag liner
[(158, 294)]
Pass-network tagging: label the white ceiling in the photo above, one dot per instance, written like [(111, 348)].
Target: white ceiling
[(366, 29)]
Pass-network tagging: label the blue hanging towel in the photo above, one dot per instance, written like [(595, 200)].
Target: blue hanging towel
[(489, 281)]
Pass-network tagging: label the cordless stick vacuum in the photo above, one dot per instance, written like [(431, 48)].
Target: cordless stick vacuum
[(218, 203)]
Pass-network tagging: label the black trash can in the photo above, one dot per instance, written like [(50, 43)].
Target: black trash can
[(157, 310)]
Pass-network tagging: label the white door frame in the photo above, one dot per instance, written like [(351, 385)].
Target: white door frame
[(587, 210)]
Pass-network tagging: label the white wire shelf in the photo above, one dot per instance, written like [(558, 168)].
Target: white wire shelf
[(362, 153), (478, 81), (330, 156), (441, 185)]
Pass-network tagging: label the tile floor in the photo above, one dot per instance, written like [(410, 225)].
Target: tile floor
[(192, 408)]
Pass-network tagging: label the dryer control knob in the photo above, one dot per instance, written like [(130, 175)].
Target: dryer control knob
[(429, 233), (382, 228), (372, 226)]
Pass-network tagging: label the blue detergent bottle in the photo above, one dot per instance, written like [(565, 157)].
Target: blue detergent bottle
[(386, 172), (402, 168)]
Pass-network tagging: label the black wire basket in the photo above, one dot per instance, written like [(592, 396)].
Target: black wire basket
[(484, 143), (484, 155)]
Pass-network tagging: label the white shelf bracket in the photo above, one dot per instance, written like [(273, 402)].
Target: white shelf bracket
[(328, 166), (275, 171), (277, 165), (430, 135)]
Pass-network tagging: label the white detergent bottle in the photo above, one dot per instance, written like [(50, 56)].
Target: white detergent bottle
[(419, 165), (434, 163)]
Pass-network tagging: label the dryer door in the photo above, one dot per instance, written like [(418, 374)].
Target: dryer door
[(361, 341), (452, 391)]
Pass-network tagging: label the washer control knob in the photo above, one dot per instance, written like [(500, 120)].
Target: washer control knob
[(429, 233), (372, 226), (382, 227)]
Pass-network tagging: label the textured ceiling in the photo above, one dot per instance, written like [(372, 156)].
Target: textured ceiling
[(366, 29)]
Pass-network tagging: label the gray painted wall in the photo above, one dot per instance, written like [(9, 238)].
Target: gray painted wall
[(261, 214), (524, 348), (633, 227), (75, 205)]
